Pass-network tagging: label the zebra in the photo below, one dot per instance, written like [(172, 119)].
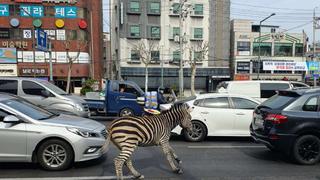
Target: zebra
[(127, 133)]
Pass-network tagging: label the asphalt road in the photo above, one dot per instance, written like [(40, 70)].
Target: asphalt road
[(222, 158), (216, 158)]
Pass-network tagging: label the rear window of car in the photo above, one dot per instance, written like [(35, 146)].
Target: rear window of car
[(278, 101), (9, 86)]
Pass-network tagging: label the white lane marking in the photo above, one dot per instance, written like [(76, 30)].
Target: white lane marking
[(70, 178), (224, 147)]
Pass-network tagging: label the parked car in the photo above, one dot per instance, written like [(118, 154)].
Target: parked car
[(289, 122), (260, 90), (44, 94), (219, 115), (31, 134)]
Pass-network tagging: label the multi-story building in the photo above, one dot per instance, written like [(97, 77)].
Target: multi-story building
[(282, 54), (158, 24), (72, 26)]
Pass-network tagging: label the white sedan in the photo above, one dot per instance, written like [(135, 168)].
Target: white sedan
[(219, 114)]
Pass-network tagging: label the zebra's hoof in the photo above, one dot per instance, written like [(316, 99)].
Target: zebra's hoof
[(179, 161), (179, 171), (139, 177)]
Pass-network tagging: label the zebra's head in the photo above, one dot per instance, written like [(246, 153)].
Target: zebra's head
[(186, 117)]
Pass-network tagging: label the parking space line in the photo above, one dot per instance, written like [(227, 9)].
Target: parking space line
[(225, 147), (70, 178)]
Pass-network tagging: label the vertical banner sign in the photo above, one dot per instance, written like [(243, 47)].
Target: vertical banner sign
[(42, 40), (4, 10)]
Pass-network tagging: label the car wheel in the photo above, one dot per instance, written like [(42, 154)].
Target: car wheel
[(306, 150), (199, 132), (55, 155), (126, 112)]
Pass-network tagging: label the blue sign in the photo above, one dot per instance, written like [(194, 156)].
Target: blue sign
[(313, 66), (65, 12), (31, 11), (4, 10), (42, 40)]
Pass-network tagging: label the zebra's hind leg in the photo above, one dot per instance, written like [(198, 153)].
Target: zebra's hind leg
[(135, 173), (120, 160), (166, 150), (175, 156)]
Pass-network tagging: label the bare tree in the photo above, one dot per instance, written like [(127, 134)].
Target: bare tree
[(201, 48), (144, 50), (72, 59)]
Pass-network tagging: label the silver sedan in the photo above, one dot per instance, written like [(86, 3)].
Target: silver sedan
[(31, 134)]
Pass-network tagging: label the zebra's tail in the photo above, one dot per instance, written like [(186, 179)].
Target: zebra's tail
[(107, 143)]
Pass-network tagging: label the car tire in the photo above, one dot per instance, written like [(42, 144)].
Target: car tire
[(55, 155), (126, 112), (199, 132), (306, 150)]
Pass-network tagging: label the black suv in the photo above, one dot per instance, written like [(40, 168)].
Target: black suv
[(290, 122)]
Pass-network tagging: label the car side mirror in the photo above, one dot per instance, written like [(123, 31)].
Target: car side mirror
[(11, 119), (141, 100)]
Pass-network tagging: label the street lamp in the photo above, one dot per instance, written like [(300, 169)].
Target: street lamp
[(259, 58)]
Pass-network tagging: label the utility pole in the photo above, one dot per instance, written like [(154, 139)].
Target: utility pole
[(181, 14), (314, 44), (259, 55)]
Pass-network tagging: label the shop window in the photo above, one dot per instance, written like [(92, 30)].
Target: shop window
[(72, 35), (283, 49), (265, 49)]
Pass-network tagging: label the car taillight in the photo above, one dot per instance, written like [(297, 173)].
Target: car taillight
[(276, 118)]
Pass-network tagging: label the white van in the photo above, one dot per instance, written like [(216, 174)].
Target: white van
[(260, 90)]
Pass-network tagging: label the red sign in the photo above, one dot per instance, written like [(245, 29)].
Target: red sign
[(241, 77), (28, 1)]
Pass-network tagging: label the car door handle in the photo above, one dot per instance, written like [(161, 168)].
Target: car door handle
[(204, 112), (240, 114)]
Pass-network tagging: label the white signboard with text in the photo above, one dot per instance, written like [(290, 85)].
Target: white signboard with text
[(284, 66)]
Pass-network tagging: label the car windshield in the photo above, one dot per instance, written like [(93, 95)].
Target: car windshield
[(53, 88), (28, 109)]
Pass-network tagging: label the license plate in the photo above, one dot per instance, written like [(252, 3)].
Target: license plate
[(258, 121)]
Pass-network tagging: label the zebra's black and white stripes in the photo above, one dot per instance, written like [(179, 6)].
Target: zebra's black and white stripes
[(128, 133)]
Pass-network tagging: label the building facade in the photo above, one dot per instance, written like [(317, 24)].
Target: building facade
[(282, 54), (156, 24), (74, 29)]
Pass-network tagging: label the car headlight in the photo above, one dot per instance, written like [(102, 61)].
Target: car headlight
[(78, 107), (83, 133)]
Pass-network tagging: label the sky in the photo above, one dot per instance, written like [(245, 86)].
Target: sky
[(291, 15)]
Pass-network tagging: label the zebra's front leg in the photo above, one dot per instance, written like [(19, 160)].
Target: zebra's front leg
[(175, 156), (167, 151), (135, 173)]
